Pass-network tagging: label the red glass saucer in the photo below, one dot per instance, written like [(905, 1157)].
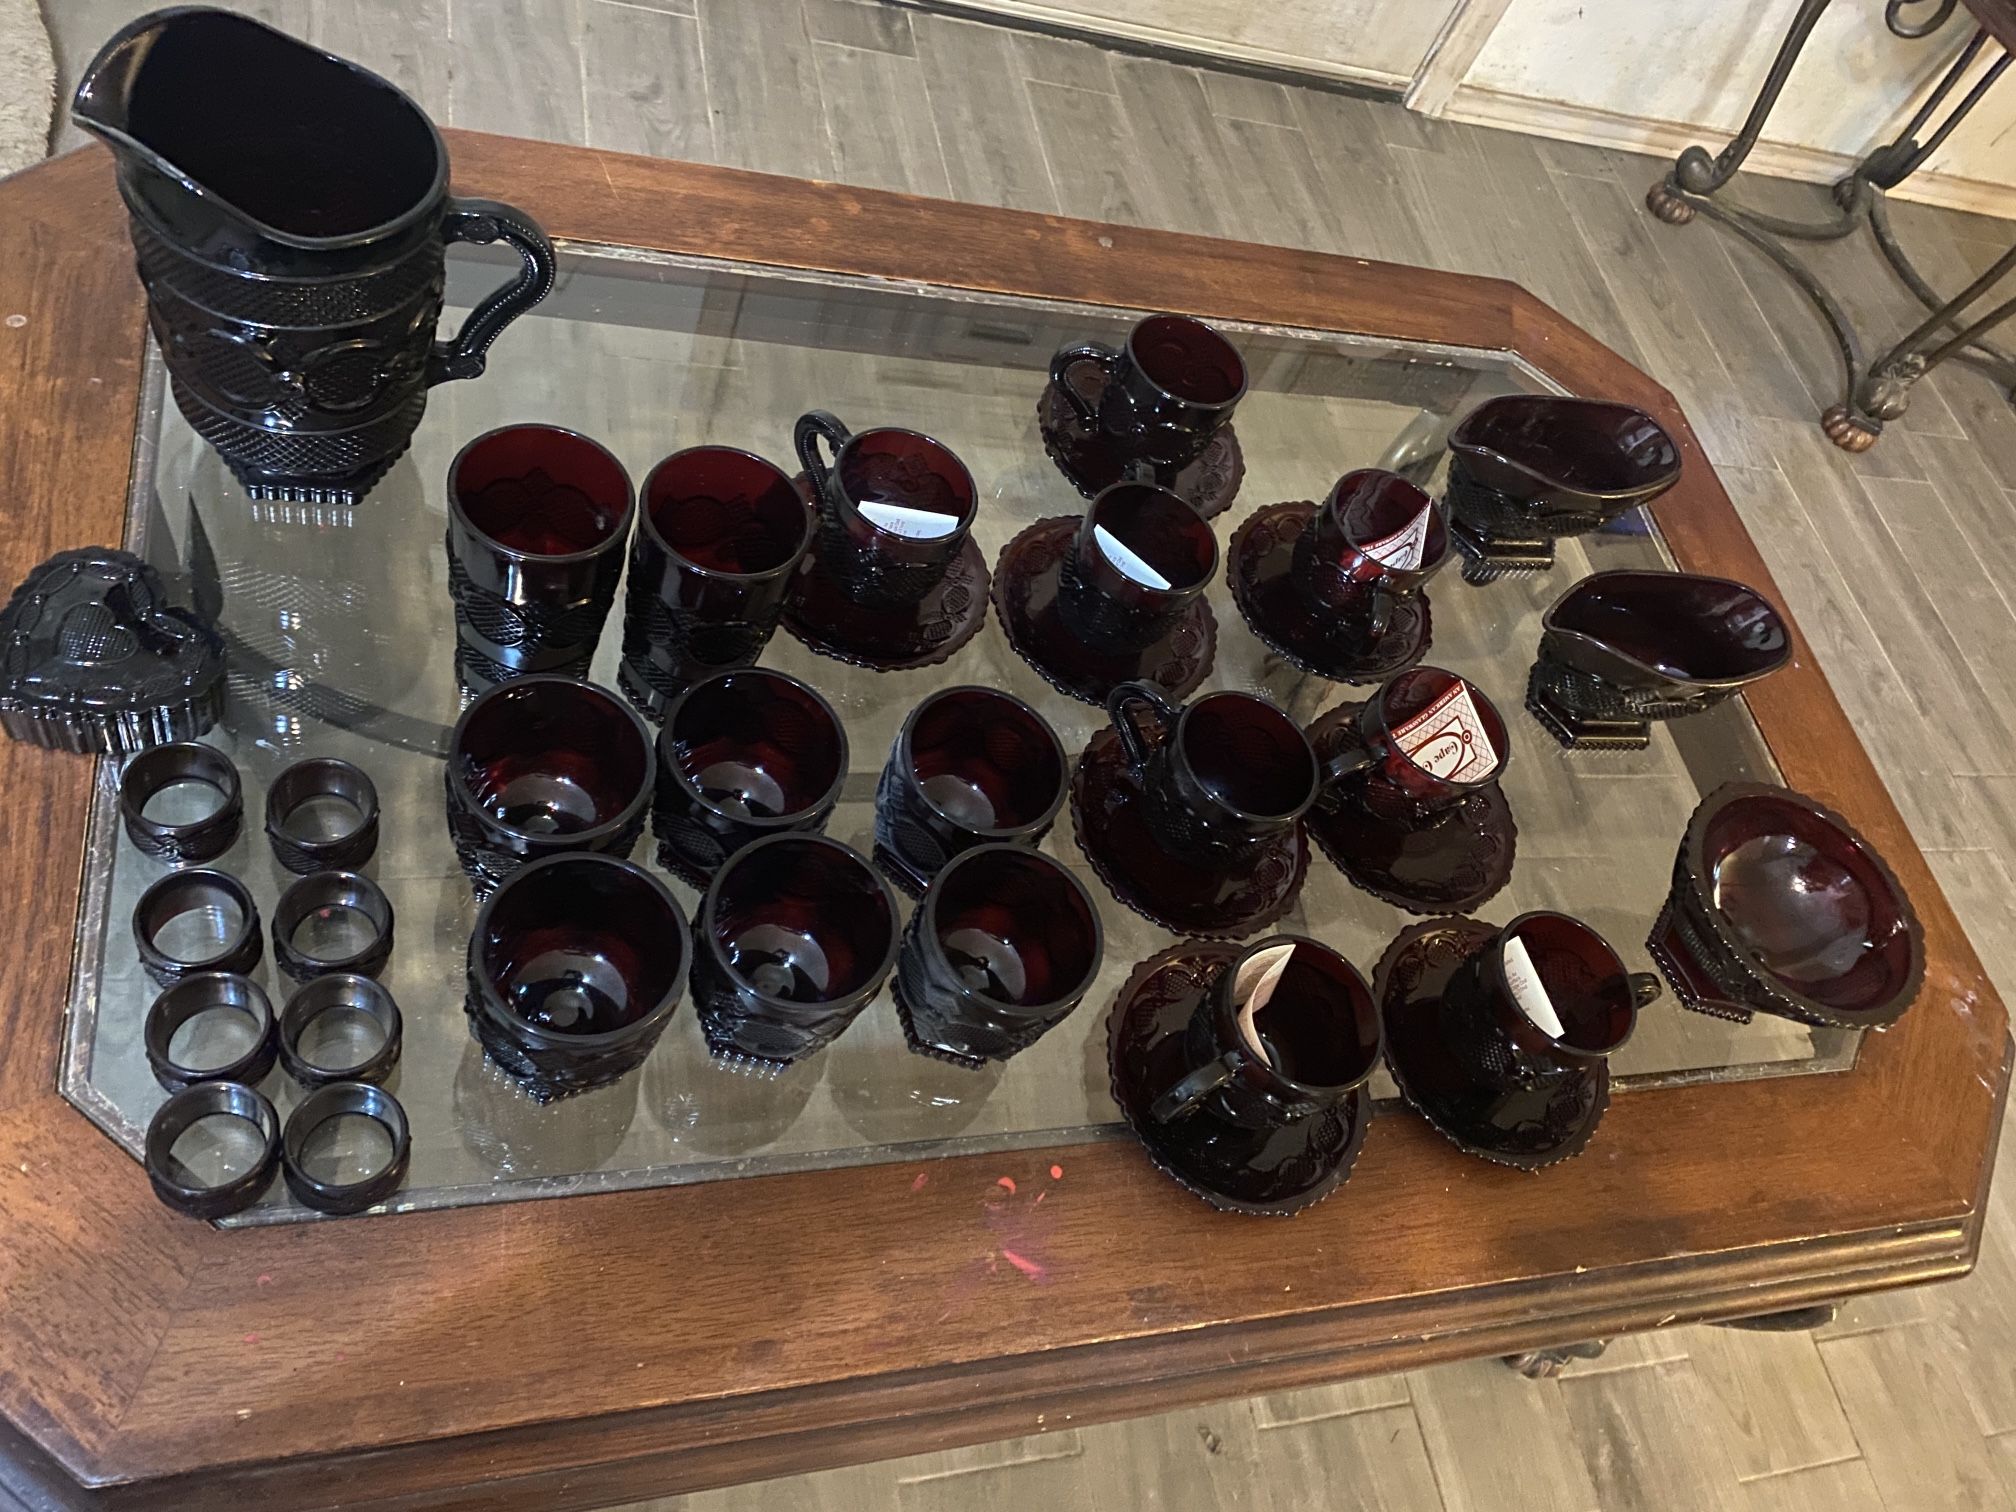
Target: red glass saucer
[(1448, 862), (1273, 1172), (1025, 598), (819, 613), (1093, 460), (1106, 816), (1526, 1125), (1311, 639)]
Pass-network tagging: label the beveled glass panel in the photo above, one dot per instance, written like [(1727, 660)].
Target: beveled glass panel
[(341, 643)]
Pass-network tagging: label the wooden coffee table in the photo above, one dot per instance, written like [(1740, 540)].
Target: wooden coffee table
[(696, 1279)]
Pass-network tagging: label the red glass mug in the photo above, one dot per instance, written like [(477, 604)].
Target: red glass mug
[(895, 508), (1316, 1040), (1142, 556), (1546, 994), (1169, 389), (1375, 540), (1429, 739), (1230, 771)]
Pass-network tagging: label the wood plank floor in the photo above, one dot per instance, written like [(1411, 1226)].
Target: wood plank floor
[(1899, 564)]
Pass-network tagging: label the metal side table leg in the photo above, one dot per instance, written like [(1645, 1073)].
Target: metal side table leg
[(1879, 391)]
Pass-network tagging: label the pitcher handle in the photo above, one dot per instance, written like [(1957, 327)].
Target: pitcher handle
[(481, 220), (1131, 744), (813, 427), (1060, 365)]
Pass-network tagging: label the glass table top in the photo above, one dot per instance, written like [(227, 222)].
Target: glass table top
[(340, 638)]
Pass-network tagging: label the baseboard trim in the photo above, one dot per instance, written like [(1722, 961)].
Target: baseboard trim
[(1665, 139), (1171, 46)]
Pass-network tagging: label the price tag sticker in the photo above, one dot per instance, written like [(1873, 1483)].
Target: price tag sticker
[(918, 524), (1253, 988), (1448, 739), (1121, 556), (1402, 550), (1528, 991)]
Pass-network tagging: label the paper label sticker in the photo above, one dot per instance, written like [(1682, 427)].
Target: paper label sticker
[(918, 524), (1528, 991), (1402, 550), (1130, 565), (1252, 989), (1448, 739)]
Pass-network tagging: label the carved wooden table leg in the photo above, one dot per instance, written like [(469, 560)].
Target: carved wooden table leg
[(1545, 1364)]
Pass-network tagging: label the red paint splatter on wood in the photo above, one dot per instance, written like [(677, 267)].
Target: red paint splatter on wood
[(918, 1184), (1007, 1184), (265, 1278), (1056, 1173), (1023, 1264), (1039, 1199), (252, 1338)]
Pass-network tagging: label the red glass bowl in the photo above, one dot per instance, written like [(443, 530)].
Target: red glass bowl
[(1779, 906), (1569, 463), (1620, 650)]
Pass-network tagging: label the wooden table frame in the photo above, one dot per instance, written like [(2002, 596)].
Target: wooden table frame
[(568, 1353)]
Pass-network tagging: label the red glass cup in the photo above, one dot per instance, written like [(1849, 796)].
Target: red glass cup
[(543, 765), (970, 765), (1141, 558), (1169, 389), (895, 508), (1315, 1041), (742, 755), (537, 520), (1230, 772), (1446, 765), (575, 968), (795, 937), (1545, 995), (719, 535), (1005, 944), (1375, 540)]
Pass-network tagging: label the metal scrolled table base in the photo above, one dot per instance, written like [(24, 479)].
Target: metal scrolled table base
[(1879, 391)]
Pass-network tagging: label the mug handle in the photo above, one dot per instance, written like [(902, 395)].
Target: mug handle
[(1131, 743), (481, 220), (1333, 769), (812, 427), (1645, 988), (1084, 351), (1383, 602), (1183, 1098)]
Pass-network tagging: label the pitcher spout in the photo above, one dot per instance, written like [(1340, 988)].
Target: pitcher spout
[(239, 141)]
